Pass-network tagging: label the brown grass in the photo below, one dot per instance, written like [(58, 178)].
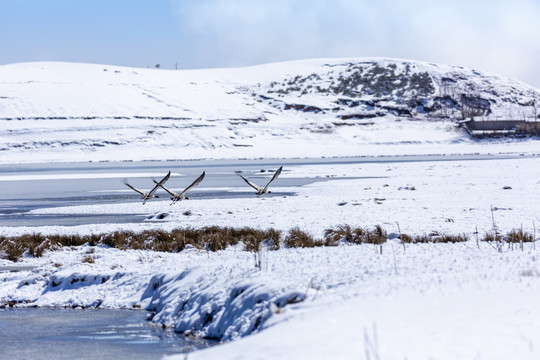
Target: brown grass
[(88, 260), (490, 237), (215, 238), (519, 236), (433, 238), (333, 236), (211, 238), (530, 272), (451, 238), (405, 239), (376, 236), (14, 248), (298, 238), (357, 235)]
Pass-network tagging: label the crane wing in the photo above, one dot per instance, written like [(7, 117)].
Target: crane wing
[(273, 178), (157, 186), (195, 183), (134, 188), (255, 186)]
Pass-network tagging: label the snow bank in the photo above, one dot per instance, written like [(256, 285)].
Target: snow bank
[(442, 301)]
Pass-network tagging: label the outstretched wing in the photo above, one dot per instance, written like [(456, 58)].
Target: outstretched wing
[(195, 183), (133, 188), (255, 186), (158, 185), (172, 193), (273, 178)]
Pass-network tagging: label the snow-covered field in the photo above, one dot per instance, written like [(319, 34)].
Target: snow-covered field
[(423, 301), (418, 301)]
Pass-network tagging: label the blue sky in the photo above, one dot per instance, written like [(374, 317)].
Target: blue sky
[(494, 35)]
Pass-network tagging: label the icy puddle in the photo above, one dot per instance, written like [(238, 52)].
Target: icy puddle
[(87, 334)]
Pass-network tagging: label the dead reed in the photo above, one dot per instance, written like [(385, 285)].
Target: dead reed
[(357, 235), (298, 238), (211, 238), (215, 238)]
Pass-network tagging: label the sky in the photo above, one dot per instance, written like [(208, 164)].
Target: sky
[(502, 36)]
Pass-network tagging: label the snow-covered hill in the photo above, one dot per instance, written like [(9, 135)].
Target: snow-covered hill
[(338, 107)]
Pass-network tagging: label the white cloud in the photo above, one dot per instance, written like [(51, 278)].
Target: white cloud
[(498, 36)]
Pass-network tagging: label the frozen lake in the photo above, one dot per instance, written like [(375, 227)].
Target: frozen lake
[(87, 334), (36, 186)]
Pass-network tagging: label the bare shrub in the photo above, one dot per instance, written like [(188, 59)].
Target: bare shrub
[(215, 238), (251, 238), (358, 235), (13, 248), (66, 240), (192, 236)]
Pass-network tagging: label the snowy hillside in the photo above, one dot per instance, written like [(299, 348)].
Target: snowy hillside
[(339, 107)]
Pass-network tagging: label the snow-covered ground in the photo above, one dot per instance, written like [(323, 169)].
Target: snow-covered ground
[(444, 301), (423, 301)]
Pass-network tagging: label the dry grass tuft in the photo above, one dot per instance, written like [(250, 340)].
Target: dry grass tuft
[(530, 273), (422, 239), (445, 238), (519, 236), (433, 238), (88, 260), (405, 239), (355, 235), (492, 237), (215, 238), (332, 237), (298, 238), (376, 236), (14, 248)]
